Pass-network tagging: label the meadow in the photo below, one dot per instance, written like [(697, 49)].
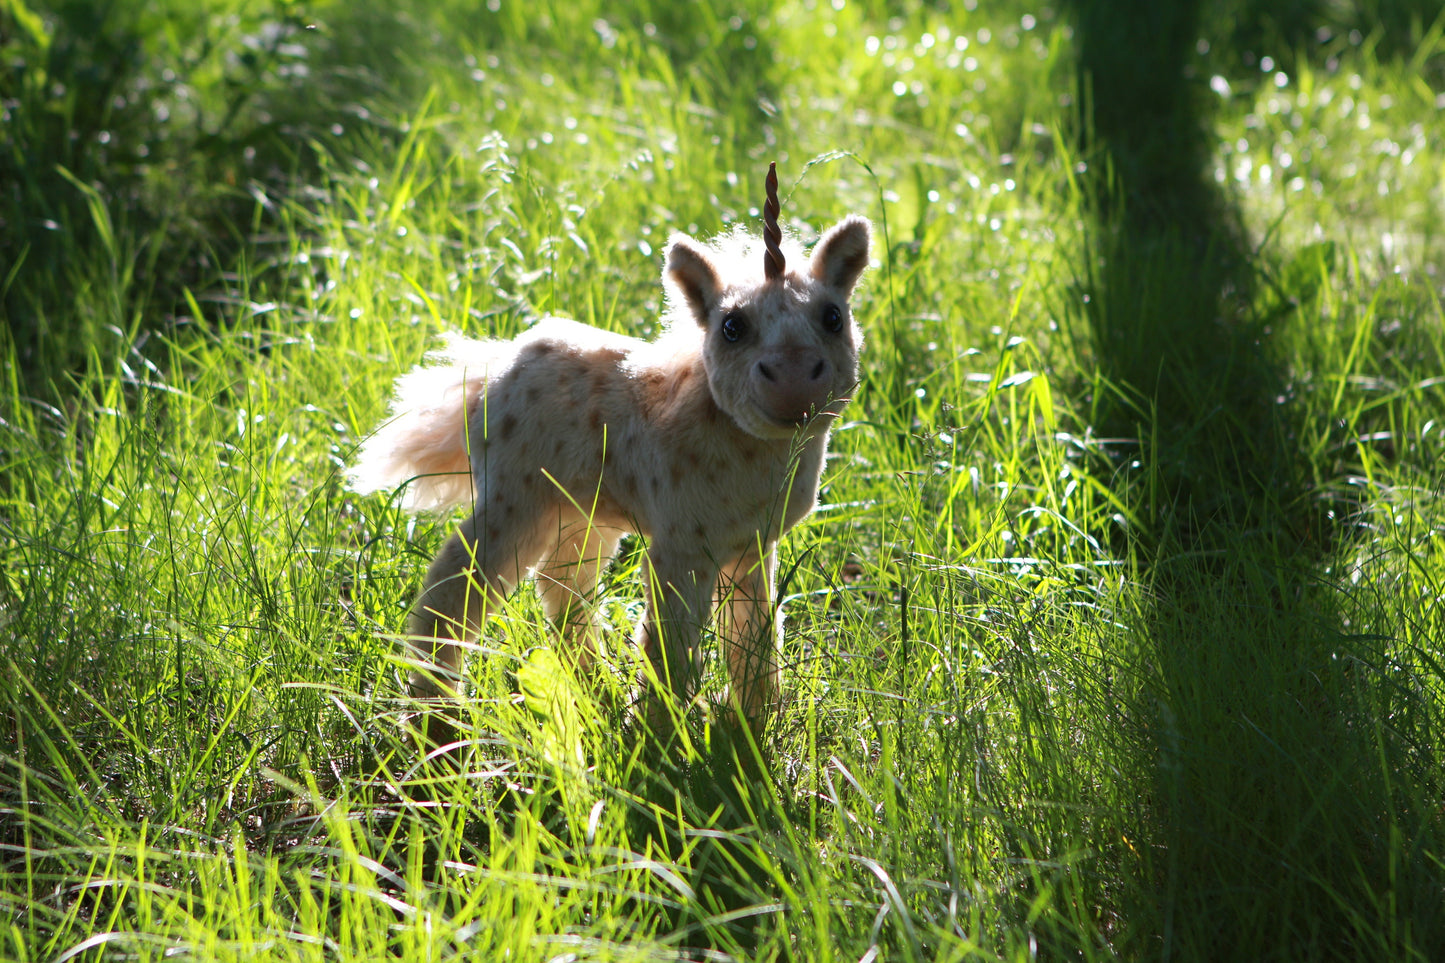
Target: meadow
[(1116, 633)]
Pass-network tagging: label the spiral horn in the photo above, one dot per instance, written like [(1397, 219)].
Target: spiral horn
[(772, 234)]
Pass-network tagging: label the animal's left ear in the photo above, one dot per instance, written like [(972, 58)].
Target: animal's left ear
[(690, 271), (842, 254)]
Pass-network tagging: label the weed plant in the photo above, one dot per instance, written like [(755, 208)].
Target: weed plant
[(1115, 636)]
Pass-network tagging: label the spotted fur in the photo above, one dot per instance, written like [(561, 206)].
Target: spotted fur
[(709, 441)]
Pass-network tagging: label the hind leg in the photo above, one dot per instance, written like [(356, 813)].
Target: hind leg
[(479, 564), (567, 577)]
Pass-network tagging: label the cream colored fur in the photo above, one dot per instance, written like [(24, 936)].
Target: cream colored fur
[(709, 441)]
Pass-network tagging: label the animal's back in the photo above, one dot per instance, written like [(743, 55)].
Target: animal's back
[(435, 412)]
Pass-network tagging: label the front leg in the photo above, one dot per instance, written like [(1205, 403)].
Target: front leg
[(679, 596), (751, 627)]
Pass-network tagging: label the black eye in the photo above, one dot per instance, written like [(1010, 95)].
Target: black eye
[(734, 326), (832, 318)]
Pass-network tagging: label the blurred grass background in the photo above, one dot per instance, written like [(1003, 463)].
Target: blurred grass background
[(1115, 637)]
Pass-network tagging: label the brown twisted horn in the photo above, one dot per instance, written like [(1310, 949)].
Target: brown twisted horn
[(772, 234)]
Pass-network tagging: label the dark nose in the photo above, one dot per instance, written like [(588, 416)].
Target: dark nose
[(790, 368)]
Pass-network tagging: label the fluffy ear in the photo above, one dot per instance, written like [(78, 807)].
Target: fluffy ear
[(840, 257), (691, 272)]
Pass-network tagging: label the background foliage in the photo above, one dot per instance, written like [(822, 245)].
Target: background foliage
[(1115, 637)]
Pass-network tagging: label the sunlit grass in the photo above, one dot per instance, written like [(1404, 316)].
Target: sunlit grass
[(1028, 716)]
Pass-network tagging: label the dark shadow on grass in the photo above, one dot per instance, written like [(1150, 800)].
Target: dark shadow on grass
[(704, 811), (1286, 813), (1286, 31), (724, 792), (147, 152)]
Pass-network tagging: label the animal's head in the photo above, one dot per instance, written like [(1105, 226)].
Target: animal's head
[(780, 344)]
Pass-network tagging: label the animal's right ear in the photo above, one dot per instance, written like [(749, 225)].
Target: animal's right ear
[(691, 273), (842, 254)]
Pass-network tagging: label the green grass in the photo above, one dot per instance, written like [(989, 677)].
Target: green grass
[(1116, 635)]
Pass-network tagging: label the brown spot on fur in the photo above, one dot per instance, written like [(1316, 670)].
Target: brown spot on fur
[(528, 481), (594, 419), (508, 425), (676, 474), (693, 459), (654, 387), (699, 531), (533, 393), (492, 533)]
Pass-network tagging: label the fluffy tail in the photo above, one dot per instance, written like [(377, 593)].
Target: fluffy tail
[(422, 444)]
